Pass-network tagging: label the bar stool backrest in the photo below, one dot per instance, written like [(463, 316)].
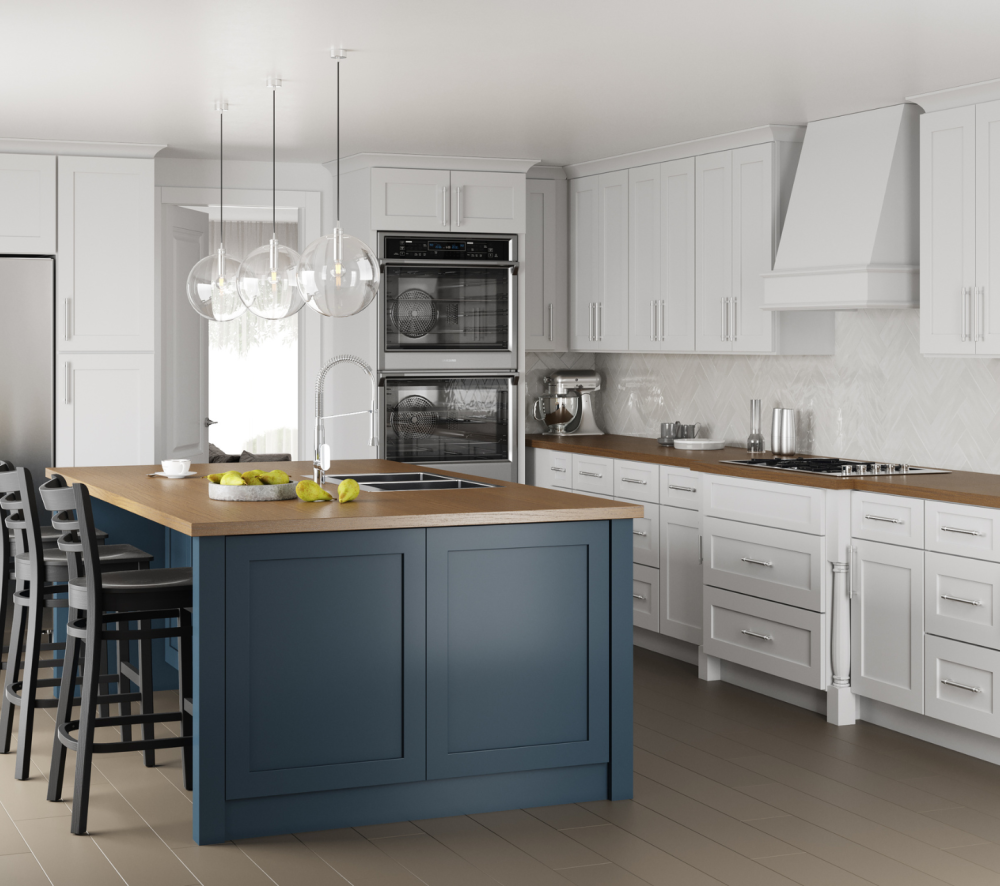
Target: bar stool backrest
[(22, 517), (60, 499), (8, 485), (90, 599)]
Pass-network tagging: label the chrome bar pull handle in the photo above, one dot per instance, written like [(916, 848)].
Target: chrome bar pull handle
[(767, 563), (964, 686), (884, 519), (959, 531), (66, 377), (600, 321), (758, 636), (725, 316), (980, 313), (640, 533), (732, 328), (965, 313), (634, 480), (962, 600), (682, 488), (591, 474), (550, 321), (663, 311), (458, 212), (652, 321), (638, 597), (444, 206), (558, 470)]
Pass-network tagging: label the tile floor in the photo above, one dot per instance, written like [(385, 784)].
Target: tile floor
[(730, 787)]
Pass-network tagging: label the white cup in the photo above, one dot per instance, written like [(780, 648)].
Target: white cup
[(175, 466)]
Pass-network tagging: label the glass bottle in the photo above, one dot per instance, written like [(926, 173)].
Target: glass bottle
[(755, 442)]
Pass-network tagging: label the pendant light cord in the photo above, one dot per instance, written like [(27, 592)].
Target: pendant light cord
[(338, 141), (274, 163), (221, 235)]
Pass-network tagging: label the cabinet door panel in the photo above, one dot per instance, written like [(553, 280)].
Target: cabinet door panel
[(517, 647), (646, 535), (645, 597), (887, 624), (644, 258), (677, 261), (680, 574), (27, 204), (753, 247), (947, 230), (410, 199), (713, 250), (105, 271), (585, 245), (963, 685), (962, 599), (987, 295), (487, 202), (612, 305), (343, 656), (545, 270)]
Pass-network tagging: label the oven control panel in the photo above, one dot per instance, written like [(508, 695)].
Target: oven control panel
[(448, 248)]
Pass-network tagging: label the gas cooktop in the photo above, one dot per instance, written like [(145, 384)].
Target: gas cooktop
[(837, 467)]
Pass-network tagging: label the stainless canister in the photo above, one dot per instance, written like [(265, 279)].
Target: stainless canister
[(783, 432)]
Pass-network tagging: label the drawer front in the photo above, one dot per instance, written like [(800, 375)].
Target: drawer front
[(592, 473), (780, 640), (637, 481), (680, 488), (962, 684), (786, 567), (894, 519), (780, 505), (646, 536), (645, 597), (962, 599), (962, 529), (553, 470)]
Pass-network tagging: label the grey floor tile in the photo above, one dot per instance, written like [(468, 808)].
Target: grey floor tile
[(357, 859), (289, 862), (568, 816), (604, 875), (23, 870), (542, 841), (222, 865), (433, 862)]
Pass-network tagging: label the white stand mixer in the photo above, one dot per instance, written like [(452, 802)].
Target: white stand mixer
[(565, 406)]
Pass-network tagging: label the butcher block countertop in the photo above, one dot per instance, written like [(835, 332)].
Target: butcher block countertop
[(963, 487), (184, 505)]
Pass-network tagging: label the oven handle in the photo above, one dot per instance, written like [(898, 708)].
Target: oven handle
[(438, 263)]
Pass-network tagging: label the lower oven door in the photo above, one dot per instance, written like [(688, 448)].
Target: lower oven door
[(464, 422)]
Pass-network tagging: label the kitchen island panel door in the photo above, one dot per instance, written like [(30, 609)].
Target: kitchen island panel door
[(518, 646), (324, 661)]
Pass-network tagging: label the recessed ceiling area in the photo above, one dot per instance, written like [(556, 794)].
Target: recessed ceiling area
[(561, 81)]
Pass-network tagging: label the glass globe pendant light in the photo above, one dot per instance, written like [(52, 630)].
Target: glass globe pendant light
[(211, 285), (338, 274), (266, 280)]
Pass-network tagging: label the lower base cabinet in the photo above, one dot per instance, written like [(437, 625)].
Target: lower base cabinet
[(963, 684), (680, 574), (645, 597), (887, 624)]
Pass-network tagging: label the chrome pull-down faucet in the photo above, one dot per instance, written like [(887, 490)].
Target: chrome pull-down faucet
[(321, 452)]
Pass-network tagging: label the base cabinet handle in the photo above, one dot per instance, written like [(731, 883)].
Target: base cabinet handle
[(962, 600), (638, 597), (558, 470), (884, 519), (758, 636), (639, 532), (633, 480), (955, 529), (682, 488), (757, 562), (964, 686), (591, 474)]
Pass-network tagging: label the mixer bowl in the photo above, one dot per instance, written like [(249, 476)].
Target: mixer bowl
[(560, 413)]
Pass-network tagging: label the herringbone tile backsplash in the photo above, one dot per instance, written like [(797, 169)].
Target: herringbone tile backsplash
[(877, 398)]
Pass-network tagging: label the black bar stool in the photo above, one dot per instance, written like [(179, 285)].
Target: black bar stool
[(36, 568), (97, 600)]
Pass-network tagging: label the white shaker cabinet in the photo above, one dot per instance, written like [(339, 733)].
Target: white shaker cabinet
[(714, 251), (987, 293), (887, 624), (545, 266), (105, 271), (644, 258), (487, 202), (104, 409), (27, 204), (584, 244), (680, 574)]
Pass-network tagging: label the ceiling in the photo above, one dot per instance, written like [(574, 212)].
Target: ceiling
[(559, 81)]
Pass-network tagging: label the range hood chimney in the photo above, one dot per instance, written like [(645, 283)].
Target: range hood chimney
[(851, 233)]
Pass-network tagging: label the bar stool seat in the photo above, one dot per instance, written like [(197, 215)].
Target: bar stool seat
[(56, 568), (148, 589)]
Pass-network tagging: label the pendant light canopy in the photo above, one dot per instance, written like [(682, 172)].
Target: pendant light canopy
[(338, 274), (266, 279), (211, 285)]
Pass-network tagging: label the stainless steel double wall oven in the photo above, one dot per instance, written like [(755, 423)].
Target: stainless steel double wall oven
[(447, 321)]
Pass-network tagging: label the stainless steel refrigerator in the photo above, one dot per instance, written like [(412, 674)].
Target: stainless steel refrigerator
[(27, 364)]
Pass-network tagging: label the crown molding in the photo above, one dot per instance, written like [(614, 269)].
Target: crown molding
[(425, 161), (552, 173), (958, 96), (774, 132), (57, 148)]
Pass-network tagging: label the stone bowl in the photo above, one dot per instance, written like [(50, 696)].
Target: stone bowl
[(282, 492)]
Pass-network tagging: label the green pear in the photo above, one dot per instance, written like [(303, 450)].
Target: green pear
[(254, 481), (307, 490), (232, 478), (249, 475), (277, 477), (214, 478)]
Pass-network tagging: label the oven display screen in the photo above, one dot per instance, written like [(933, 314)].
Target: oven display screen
[(477, 249)]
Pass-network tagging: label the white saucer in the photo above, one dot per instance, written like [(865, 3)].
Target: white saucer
[(699, 444), (175, 476)]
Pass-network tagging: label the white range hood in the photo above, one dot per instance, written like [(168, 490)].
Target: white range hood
[(851, 233)]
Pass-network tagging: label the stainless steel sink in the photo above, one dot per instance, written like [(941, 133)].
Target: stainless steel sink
[(415, 480)]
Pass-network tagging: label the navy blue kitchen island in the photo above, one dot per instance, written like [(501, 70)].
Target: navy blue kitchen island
[(408, 655)]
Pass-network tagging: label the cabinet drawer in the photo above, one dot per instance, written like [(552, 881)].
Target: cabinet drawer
[(646, 535), (680, 487), (637, 481), (962, 599), (645, 597), (894, 519), (783, 506), (591, 473), (962, 682), (554, 470), (962, 529), (786, 567), (780, 640)]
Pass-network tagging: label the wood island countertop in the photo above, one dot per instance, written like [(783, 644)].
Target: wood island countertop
[(184, 505), (962, 487)]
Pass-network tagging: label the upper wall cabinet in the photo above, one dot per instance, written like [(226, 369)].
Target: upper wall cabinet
[(440, 200), (959, 249), (544, 258), (598, 279), (27, 204), (105, 273)]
